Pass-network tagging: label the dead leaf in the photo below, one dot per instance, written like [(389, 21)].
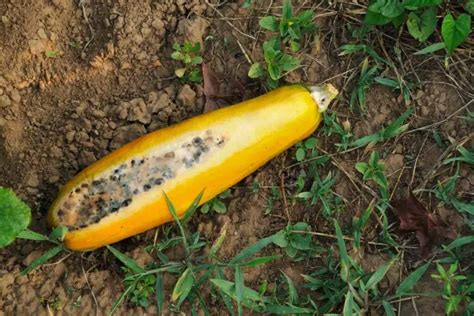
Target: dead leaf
[(211, 88), (429, 228)]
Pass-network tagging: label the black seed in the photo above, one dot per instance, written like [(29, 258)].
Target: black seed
[(126, 202), (196, 155), (77, 190), (159, 181), (187, 162), (84, 185), (169, 155), (142, 161), (220, 142), (146, 187), (60, 212), (113, 178), (136, 191), (96, 183), (204, 149), (133, 162), (116, 171), (167, 173), (197, 141)]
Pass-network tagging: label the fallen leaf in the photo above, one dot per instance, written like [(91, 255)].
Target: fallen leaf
[(211, 88), (429, 228)]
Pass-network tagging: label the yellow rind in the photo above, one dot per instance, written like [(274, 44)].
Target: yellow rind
[(257, 130)]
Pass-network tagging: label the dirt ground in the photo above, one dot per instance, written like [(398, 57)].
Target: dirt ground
[(111, 80)]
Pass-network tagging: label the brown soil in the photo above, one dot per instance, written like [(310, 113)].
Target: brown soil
[(111, 80)]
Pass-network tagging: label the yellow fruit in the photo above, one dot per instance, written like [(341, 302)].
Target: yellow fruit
[(121, 195)]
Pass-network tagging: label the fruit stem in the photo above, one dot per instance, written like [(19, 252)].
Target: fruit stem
[(323, 95)]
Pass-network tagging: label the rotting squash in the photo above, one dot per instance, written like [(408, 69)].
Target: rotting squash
[(121, 195)]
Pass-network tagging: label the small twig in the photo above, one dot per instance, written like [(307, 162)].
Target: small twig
[(416, 160), (283, 192), (429, 126), (59, 261), (228, 22), (90, 288), (414, 306), (81, 3), (242, 48)]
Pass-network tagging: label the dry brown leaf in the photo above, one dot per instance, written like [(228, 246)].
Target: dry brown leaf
[(428, 227), (211, 88)]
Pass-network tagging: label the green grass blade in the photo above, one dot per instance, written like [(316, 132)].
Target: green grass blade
[(348, 305), (345, 260), (459, 242), (43, 258), (365, 140), (379, 274), (260, 260), (172, 210), (411, 280), (58, 234), (292, 293), (396, 127), (183, 287), (239, 288), (31, 235), (287, 310), (192, 209), (127, 261), (388, 308), (160, 295), (225, 298), (430, 49), (121, 298), (253, 249)]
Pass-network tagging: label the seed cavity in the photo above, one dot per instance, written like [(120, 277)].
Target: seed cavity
[(92, 201)]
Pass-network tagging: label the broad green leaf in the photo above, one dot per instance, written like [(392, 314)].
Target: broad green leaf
[(416, 4), (374, 18), (361, 167), (387, 8), (196, 60), (43, 258), (310, 142), (183, 286), (287, 11), (454, 31), (127, 261), (411, 280), (220, 207), (421, 27), (179, 72), (288, 63), (15, 216), (274, 71), (270, 23), (431, 49), (300, 154), (469, 6), (255, 71), (176, 55)]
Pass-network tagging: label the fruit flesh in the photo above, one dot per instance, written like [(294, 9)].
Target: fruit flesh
[(210, 152)]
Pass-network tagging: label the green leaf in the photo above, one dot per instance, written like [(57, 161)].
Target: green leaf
[(192, 208), (348, 308), (288, 63), (205, 208), (258, 261), (31, 235), (176, 55), (183, 286), (379, 274), (159, 290), (345, 260), (362, 167), (239, 288), (292, 293), (220, 207), (459, 242), (287, 310), (387, 82), (274, 71), (310, 142), (127, 261), (300, 154), (411, 280), (454, 31), (196, 60), (51, 54), (287, 11), (416, 4), (253, 249), (431, 49), (374, 18), (43, 258), (15, 216), (387, 8), (180, 72), (388, 308), (255, 71), (421, 27), (469, 6), (58, 233), (269, 22)]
